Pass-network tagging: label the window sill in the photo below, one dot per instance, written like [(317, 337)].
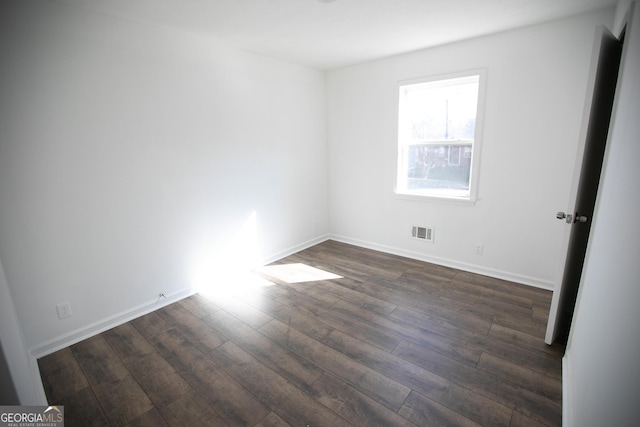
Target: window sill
[(451, 200)]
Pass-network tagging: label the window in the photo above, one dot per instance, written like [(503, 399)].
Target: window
[(438, 137)]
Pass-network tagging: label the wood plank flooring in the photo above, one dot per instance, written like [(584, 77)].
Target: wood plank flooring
[(392, 342)]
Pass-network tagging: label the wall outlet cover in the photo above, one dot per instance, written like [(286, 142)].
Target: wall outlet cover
[(64, 310)]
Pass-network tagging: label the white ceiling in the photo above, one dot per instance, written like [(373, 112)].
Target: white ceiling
[(328, 34)]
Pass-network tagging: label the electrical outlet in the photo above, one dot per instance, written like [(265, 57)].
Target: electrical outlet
[(64, 310), (479, 249)]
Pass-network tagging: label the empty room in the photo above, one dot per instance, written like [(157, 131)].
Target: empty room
[(320, 212)]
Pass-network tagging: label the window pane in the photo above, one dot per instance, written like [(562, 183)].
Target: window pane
[(442, 112), (438, 167)]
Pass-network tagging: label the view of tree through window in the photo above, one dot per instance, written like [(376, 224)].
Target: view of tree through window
[(437, 125)]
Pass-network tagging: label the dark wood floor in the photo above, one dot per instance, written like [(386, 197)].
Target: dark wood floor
[(394, 342)]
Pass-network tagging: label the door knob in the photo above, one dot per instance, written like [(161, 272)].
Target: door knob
[(580, 218)]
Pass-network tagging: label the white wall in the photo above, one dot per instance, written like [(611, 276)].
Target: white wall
[(136, 160), (602, 379), (535, 94)]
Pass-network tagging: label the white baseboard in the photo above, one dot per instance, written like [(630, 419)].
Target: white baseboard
[(100, 326), (117, 319), (88, 331), (472, 268), (293, 249), (105, 324)]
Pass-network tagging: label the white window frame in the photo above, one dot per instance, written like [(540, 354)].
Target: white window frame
[(422, 195)]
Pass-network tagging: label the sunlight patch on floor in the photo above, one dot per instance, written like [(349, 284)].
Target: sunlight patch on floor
[(238, 283), (296, 273)]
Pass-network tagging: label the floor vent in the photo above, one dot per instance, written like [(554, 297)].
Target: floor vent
[(422, 233)]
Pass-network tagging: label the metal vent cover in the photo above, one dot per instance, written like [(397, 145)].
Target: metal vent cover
[(422, 233)]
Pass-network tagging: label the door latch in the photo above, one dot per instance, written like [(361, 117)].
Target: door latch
[(567, 218)]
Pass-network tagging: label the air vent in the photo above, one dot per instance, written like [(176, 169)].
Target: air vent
[(422, 233)]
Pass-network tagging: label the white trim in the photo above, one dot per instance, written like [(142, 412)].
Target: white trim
[(414, 197), (622, 17), (472, 268), (110, 322), (25, 380), (430, 78), (105, 324), (474, 178), (567, 396), (117, 319), (37, 381), (296, 248), (95, 328)]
